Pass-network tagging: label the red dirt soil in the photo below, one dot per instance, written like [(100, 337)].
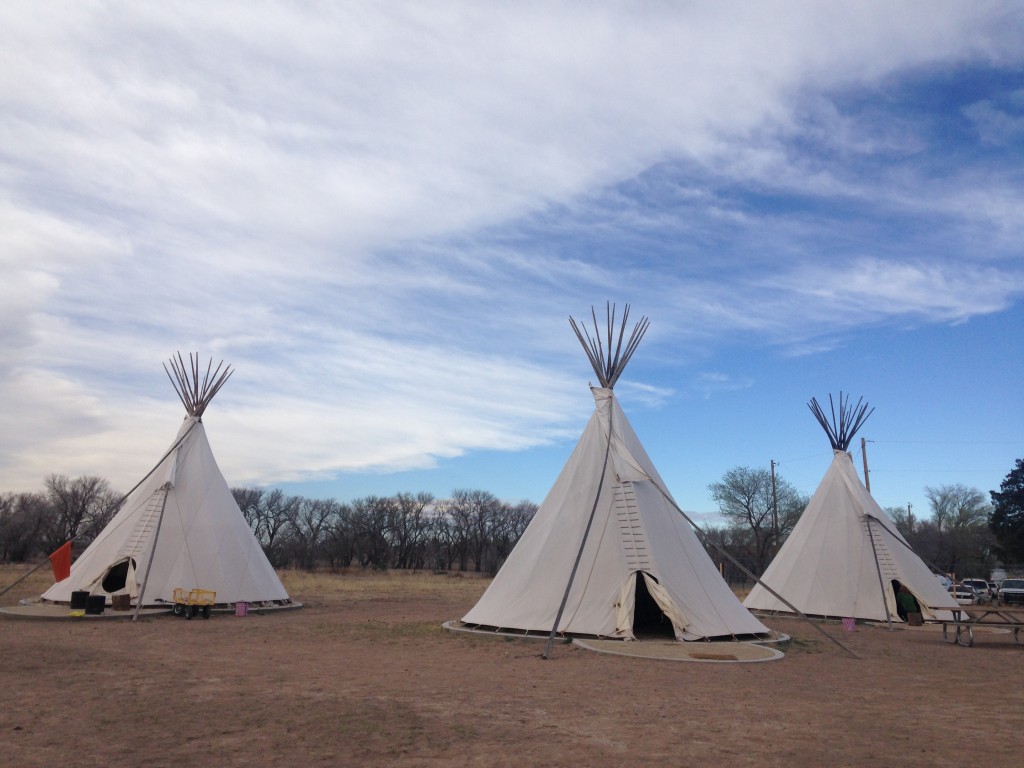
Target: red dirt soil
[(364, 675)]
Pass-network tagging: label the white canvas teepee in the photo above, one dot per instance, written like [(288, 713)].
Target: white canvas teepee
[(845, 557), (180, 527), (609, 542)]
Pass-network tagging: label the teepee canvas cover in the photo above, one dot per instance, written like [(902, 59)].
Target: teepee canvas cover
[(180, 528), (845, 552), (610, 500)]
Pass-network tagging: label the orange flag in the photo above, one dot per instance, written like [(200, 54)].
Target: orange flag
[(61, 562)]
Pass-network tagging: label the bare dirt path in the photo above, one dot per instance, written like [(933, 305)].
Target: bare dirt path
[(363, 675)]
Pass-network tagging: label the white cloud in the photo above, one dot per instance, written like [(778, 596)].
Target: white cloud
[(997, 123), (869, 288), (375, 212), (710, 383)]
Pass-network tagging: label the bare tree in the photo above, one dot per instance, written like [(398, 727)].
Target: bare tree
[(79, 508), (903, 518), (370, 520), (275, 512), (734, 541), (442, 537), (957, 507), (508, 526), (475, 514), (746, 501), (248, 501), (309, 522), (963, 543), (409, 529), (457, 531), (340, 539), (22, 516)]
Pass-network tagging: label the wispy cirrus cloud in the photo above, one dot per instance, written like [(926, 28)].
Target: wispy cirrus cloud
[(384, 215)]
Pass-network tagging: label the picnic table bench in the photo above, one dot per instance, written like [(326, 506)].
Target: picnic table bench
[(960, 629)]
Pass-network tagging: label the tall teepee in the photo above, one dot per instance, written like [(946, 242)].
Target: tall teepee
[(845, 557), (180, 527), (608, 552)]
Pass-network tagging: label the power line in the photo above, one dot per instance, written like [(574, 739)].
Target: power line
[(926, 469), (948, 442)]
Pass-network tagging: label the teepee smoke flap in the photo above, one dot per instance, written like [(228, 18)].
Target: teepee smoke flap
[(196, 394), (609, 367), (842, 430)]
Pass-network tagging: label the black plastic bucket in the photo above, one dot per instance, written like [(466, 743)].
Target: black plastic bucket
[(95, 604), (79, 598)]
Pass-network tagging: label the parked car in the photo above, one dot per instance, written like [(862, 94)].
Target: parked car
[(981, 587), (963, 594), (1011, 591)]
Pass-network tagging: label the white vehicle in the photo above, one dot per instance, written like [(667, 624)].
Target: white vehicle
[(1011, 591), (963, 594), (981, 587)]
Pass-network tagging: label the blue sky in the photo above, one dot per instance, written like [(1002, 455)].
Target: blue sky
[(383, 214)]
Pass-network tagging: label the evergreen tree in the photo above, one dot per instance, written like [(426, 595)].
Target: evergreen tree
[(1007, 520)]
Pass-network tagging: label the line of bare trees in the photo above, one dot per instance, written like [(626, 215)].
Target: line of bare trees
[(472, 530), (35, 524)]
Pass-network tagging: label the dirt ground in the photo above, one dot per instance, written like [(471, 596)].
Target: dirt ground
[(364, 675)]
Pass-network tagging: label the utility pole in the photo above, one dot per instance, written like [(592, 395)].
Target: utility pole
[(864, 453), (775, 506), (910, 518)]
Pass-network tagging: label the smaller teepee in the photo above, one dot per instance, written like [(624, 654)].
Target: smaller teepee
[(180, 526), (608, 552), (845, 558)]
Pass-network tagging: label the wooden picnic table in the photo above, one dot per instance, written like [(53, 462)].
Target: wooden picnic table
[(960, 629)]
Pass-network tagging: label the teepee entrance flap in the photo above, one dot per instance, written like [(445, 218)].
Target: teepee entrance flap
[(624, 607), (118, 578), (667, 605)]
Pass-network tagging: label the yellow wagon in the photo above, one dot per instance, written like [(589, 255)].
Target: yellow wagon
[(189, 602)]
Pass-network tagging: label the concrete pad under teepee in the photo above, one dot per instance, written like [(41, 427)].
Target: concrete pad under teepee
[(675, 651), (57, 612), (671, 650), (53, 611)]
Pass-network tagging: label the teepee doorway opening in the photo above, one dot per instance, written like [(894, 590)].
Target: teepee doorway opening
[(117, 576), (648, 618)]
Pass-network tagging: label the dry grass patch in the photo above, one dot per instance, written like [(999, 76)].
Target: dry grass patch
[(31, 587), (363, 675), (351, 584), (382, 585)]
